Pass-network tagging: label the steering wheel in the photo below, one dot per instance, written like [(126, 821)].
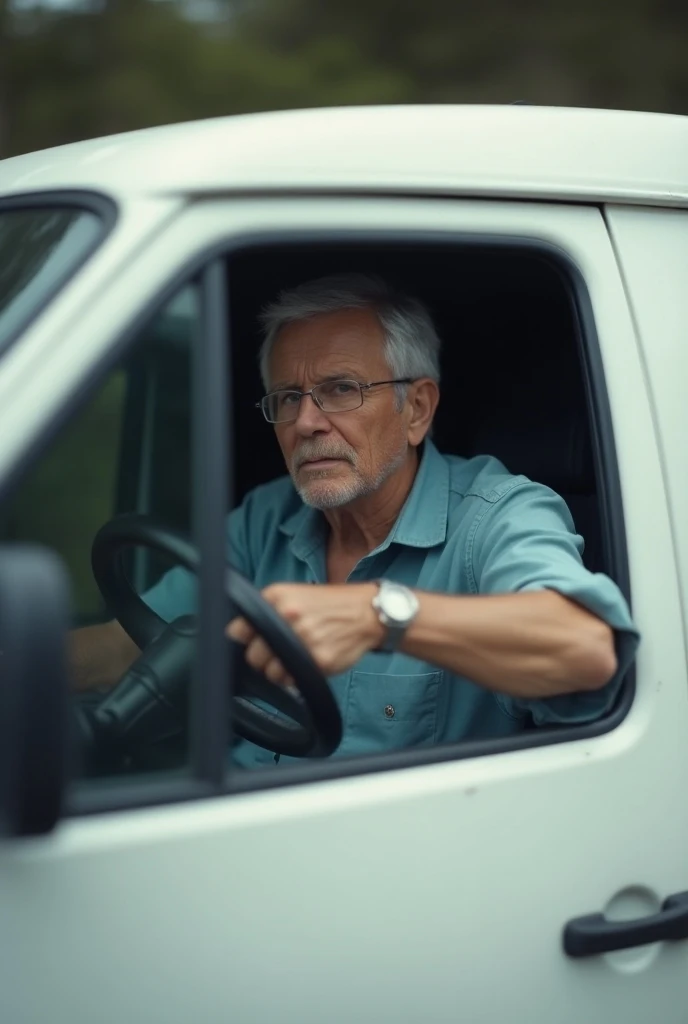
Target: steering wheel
[(150, 703)]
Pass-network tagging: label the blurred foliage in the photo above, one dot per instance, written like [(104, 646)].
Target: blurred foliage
[(94, 468), (76, 72), (70, 492)]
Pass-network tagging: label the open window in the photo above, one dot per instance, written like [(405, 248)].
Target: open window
[(521, 381)]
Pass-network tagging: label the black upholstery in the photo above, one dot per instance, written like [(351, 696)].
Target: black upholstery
[(529, 409)]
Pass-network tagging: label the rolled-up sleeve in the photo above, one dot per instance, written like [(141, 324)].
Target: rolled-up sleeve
[(526, 541)]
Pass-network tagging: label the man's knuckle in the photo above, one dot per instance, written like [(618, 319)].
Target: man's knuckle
[(255, 655), (274, 671)]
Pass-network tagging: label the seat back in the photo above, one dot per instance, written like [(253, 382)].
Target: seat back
[(523, 401)]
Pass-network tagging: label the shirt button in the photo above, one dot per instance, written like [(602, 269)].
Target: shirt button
[(389, 710)]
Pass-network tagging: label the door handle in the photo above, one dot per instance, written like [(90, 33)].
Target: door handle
[(594, 934)]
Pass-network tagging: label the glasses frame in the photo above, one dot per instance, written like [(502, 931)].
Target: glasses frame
[(304, 394)]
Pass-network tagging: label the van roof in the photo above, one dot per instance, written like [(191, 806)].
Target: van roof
[(555, 153)]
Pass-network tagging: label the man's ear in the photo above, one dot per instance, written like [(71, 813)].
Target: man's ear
[(422, 399)]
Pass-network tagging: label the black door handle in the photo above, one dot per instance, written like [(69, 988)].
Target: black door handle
[(594, 934)]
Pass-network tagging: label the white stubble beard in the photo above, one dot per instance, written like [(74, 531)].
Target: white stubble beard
[(339, 494)]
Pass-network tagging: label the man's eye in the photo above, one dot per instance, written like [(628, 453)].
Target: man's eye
[(289, 398), (341, 387)]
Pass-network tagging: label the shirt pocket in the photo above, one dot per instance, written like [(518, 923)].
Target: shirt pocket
[(387, 712)]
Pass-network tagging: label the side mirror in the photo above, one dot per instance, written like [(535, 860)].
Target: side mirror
[(34, 690)]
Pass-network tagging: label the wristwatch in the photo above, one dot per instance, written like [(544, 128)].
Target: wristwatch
[(396, 608)]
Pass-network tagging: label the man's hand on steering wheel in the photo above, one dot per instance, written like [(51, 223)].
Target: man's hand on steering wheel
[(336, 623)]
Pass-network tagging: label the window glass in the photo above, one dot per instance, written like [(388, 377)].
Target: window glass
[(73, 490), (39, 248), (125, 452)]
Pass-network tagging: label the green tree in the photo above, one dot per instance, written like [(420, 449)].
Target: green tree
[(73, 74)]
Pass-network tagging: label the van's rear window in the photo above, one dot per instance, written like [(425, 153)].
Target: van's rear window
[(39, 249)]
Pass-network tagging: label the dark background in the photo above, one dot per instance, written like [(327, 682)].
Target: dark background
[(88, 69)]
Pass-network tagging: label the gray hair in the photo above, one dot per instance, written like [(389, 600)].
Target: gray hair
[(411, 347)]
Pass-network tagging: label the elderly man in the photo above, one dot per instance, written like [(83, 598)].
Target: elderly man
[(450, 599)]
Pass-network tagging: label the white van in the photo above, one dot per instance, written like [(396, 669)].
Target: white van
[(541, 879)]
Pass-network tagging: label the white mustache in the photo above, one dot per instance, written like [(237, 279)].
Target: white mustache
[(311, 453)]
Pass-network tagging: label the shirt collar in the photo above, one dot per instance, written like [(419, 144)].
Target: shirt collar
[(422, 522)]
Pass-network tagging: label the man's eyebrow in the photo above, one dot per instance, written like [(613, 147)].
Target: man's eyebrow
[(341, 375)]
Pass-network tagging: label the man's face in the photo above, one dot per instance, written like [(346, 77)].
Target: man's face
[(338, 457)]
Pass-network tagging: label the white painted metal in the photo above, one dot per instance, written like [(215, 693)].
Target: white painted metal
[(652, 248), (555, 153), (430, 894)]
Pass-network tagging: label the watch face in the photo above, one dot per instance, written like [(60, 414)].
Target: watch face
[(397, 604)]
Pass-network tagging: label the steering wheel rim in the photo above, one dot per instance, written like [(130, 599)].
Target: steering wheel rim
[(316, 729)]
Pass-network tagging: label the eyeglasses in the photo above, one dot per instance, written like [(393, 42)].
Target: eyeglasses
[(332, 396)]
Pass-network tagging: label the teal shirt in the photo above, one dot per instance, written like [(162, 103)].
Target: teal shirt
[(467, 527)]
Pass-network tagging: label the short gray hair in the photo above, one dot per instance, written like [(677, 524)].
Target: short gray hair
[(411, 348)]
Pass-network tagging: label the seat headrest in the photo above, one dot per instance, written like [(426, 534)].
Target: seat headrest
[(554, 451)]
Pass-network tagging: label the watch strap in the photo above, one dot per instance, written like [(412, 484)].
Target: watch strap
[(395, 631)]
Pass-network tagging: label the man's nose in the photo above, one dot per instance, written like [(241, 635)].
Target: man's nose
[(310, 418)]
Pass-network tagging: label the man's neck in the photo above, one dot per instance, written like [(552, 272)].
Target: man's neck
[(359, 528)]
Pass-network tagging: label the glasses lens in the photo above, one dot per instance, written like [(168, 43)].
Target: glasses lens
[(281, 406), (333, 396), (338, 395)]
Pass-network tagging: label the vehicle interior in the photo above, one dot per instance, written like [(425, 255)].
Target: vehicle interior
[(513, 376), (516, 384)]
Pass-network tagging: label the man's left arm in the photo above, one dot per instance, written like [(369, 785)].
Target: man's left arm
[(525, 645)]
